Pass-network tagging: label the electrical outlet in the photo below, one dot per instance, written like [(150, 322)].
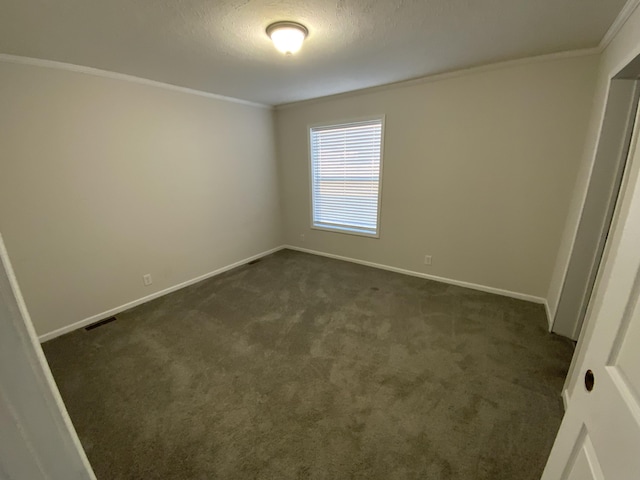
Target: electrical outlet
[(147, 279), (427, 259), (302, 237)]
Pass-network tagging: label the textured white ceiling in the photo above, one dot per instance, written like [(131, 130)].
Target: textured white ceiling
[(220, 46)]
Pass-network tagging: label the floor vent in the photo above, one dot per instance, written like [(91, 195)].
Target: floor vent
[(253, 262), (100, 323)]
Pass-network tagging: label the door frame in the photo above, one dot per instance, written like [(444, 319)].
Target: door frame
[(600, 200), (628, 68), (592, 419), (38, 441)]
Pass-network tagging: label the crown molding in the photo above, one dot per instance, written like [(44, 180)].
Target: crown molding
[(624, 15), (38, 62), (618, 23), (447, 75)]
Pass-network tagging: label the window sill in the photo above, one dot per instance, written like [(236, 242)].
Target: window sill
[(346, 231)]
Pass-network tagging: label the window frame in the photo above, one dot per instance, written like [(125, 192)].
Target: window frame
[(339, 123)]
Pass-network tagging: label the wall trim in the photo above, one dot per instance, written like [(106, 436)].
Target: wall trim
[(450, 281), (134, 303), (448, 74), (615, 27), (549, 315), (565, 398), (38, 62), (618, 23)]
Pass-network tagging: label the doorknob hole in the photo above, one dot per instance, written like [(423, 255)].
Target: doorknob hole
[(589, 380)]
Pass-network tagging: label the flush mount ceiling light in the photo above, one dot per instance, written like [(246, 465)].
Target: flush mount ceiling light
[(287, 36)]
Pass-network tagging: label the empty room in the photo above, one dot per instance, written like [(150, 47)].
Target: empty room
[(319, 240)]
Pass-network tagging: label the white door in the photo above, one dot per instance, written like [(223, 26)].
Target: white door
[(37, 440), (600, 434)]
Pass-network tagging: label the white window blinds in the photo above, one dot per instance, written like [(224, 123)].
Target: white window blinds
[(345, 176)]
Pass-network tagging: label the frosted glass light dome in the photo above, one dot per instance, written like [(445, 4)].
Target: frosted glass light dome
[(287, 37)]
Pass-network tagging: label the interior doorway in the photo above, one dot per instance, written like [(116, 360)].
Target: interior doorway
[(600, 201)]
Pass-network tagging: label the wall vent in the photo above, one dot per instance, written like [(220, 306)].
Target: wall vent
[(100, 323)]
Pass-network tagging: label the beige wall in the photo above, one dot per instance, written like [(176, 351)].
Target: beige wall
[(104, 180), (624, 47), (478, 171)]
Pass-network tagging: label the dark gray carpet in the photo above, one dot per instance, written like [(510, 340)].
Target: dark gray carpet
[(302, 367)]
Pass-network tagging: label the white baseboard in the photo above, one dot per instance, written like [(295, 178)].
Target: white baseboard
[(114, 311), (459, 283), (565, 399), (549, 315), (153, 296)]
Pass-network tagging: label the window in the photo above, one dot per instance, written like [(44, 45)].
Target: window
[(346, 165)]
